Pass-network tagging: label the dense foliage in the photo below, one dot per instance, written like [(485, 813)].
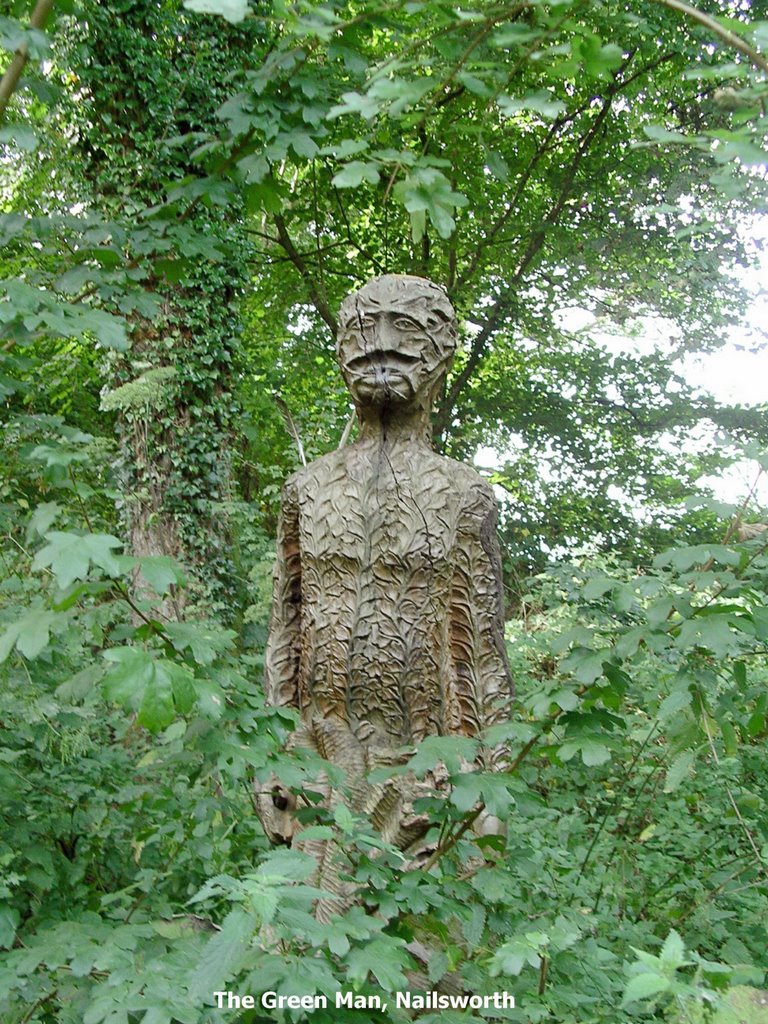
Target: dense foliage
[(185, 199)]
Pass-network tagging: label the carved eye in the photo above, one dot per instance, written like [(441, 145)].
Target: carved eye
[(367, 322), (404, 323)]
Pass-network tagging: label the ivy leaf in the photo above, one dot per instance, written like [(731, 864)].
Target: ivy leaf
[(70, 555)]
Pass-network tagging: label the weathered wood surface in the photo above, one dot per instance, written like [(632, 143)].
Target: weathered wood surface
[(387, 613)]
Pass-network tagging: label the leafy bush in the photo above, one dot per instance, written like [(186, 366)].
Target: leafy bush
[(137, 880)]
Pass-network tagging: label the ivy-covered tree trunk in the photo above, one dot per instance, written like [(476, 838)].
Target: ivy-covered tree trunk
[(147, 83)]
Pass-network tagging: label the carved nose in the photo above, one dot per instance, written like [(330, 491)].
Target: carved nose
[(385, 336)]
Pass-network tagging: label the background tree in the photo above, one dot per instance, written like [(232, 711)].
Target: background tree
[(584, 194)]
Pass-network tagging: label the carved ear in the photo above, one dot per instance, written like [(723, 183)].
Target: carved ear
[(275, 806), (281, 798)]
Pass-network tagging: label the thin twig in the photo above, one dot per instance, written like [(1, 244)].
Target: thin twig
[(722, 33)]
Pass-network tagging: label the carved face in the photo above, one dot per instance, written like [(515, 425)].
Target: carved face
[(397, 336)]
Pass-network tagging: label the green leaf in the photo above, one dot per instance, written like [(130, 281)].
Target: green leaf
[(730, 739), (155, 687), (448, 750), (20, 135), (355, 173), (466, 791), (29, 635), (233, 11), (712, 632), (343, 817), (384, 958), (514, 33), (426, 190), (673, 951), (522, 950), (156, 710), (594, 753), (161, 572), (497, 165), (9, 922), (204, 640), (679, 699), (353, 103), (223, 955), (125, 683), (599, 58), (71, 555), (678, 770), (540, 102), (210, 698), (598, 586), (42, 518), (644, 986)]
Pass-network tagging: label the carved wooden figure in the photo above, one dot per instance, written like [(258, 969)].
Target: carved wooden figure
[(387, 614)]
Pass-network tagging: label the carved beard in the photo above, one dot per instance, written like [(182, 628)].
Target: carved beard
[(384, 378), (405, 375)]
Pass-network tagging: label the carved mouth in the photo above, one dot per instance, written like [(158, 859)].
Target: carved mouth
[(383, 359)]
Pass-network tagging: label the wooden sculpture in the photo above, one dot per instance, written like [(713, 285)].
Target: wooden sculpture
[(387, 613)]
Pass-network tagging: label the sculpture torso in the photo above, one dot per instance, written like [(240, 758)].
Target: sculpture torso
[(397, 639), (386, 620)]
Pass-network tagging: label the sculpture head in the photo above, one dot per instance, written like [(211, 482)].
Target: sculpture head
[(396, 340)]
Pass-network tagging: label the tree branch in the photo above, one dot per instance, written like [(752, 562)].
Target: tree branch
[(319, 300), (505, 300), (722, 33), (13, 72)]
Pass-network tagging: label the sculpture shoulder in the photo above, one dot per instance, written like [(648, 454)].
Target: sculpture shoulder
[(470, 489), (320, 470), (474, 491)]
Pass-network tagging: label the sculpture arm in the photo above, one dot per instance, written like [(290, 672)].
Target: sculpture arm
[(282, 655), (481, 672)]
